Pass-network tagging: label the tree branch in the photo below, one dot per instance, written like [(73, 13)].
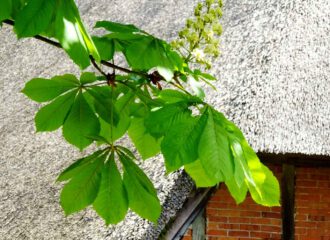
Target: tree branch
[(58, 45)]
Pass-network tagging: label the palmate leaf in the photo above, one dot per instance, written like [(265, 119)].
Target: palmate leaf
[(5, 9), (83, 187), (113, 132), (236, 191), (72, 35), (180, 144), (80, 123), (159, 121), (213, 150), (34, 18), (87, 77), (105, 47), (266, 189), (117, 27), (142, 196), (104, 103), (151, 52), (53, 115), (44, 90), (146, 144), (197, 172), (111, 201), (78, 165)]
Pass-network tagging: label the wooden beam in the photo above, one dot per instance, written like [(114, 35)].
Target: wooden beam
[(296, 159), (288, 208), (195, 203), (198, 227)]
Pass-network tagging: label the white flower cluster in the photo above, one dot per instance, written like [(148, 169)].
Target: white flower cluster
[(200, 38)]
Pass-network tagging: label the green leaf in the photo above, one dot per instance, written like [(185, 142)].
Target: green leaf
[(72, 35), (80, 123), (5, 9), (117, 27), (82, 189), (146, 145), (196, 87), (142, 196), (204, 75), (126, 151), (43, 90), (242, 170), (151, 52), (88, 77), (17, 6), (199, 175), (236, 191), (103, 103), (173, 96), (78, 166), (180, 144), (53, 115), (105, 46), (266, 190), (123, 107), (34, 18), (111, 202), (159, 121), (214, 150)]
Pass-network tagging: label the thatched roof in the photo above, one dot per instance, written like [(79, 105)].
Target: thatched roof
[(274, 74), (273, 82)]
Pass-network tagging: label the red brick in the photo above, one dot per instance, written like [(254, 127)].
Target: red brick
[(267, 228), (249, 227), (238, 233), (217, 233), (260, 235), (271, 215)]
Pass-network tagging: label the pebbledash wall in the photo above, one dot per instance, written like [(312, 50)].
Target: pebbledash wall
[(227, 221)]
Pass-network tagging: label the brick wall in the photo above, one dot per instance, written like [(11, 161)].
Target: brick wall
[(228, 221), (312, 203)]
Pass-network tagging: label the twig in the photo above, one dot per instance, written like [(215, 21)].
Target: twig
[(58, 45)]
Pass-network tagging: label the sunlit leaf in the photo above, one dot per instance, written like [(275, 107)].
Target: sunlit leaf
[(72, 35), (180, 144), (198, 174), (214, 149), (236, 191), (43, 90), (158, 122)]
